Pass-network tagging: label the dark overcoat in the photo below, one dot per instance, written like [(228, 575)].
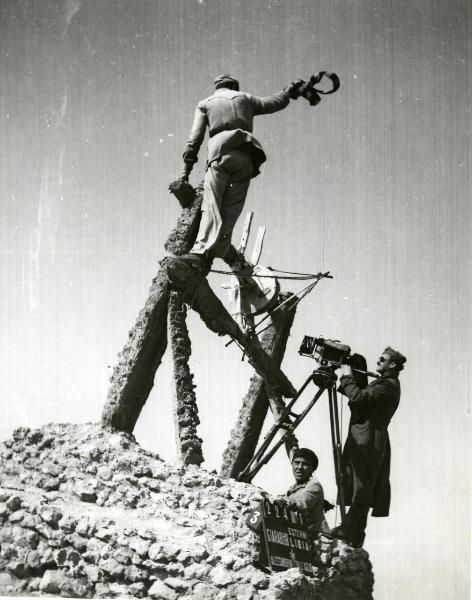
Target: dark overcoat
[(366, 454)]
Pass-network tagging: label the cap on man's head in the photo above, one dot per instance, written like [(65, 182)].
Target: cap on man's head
[(226, 81), (308, 455), (398, 358)]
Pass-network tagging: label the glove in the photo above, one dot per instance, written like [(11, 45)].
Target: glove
[(183, 191), (327, 506), (293, 90)]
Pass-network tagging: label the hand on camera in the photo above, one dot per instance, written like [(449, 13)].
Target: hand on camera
[(346, 370)]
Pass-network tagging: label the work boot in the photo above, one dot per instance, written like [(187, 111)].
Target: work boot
[(196, 261), (182, 274), (350, 536), (237, 263)]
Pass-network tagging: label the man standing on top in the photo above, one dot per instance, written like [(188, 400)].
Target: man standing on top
[(366, 454), (234, 157)]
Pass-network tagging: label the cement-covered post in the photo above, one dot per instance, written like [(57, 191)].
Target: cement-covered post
[(189, 445), (133, 377), (246, 433)]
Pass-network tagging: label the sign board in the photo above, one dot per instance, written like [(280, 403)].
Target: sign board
[(285, 537)]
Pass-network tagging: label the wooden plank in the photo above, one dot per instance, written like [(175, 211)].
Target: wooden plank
[(256, 253), (246, 232)]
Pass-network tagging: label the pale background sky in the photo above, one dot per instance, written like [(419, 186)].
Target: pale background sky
[(96, 101)]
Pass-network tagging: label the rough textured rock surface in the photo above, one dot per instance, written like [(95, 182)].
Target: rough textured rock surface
[(246, 433), (88, 513)]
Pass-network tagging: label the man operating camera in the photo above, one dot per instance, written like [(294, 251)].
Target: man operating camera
[(366, 454)]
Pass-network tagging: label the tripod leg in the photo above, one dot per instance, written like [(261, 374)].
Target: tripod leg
[(260, 459), (336, 441), (272, 433)]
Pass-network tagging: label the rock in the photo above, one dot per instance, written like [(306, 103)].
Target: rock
[(138, 589), (140, 546), (160, 591), (18, 568), (83, 526), (50, 484), (60, 556), (102, 590), (228, 560), (92, 572), (104, 534), (112, 567), (50, 515), (33, 584), (77, 541), (134, 574), (76, 588), (177, 584), (30, 521), (52, 582), (68, 523), (14, 503), (17, 516), (244, 592), (87, 495), (104, 473), (174, 542), (260, 580), (156, 552), (7, 582), (203, 591), (220, 576), (196, 571)]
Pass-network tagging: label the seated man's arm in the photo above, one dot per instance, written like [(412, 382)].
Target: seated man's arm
[(308, 497)]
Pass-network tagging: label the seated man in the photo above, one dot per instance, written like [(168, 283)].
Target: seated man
[(306, 494)]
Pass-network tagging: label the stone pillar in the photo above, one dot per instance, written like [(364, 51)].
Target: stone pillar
[(189, 445), (133, 377), (246, 433)]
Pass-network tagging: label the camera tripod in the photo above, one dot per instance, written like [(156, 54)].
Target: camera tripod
[(325, 378)]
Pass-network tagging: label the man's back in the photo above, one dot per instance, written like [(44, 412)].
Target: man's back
[(228, 109)]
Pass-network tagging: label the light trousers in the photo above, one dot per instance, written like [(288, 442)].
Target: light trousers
[(224, 193)]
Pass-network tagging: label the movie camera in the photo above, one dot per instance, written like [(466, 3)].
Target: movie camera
[(331, 354), (327, 352)]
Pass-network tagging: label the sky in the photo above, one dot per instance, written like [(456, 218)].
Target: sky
[(96, 102)]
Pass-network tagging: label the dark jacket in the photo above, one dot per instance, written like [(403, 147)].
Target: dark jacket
[(229, 116), (366, 454)]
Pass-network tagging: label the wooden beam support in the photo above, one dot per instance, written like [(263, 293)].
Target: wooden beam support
[(189, 445), (245, 435), (133, 377)]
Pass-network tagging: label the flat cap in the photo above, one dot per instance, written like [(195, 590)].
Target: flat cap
[(396, 356), (224, 80), (307, 454)]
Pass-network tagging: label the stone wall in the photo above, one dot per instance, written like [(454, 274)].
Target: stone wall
[(88, 513)]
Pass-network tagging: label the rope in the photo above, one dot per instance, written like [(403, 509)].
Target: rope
[(304, 292), (299, 297), (297, 276)]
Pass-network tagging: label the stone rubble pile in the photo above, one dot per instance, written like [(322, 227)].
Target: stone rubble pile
[(90, 514)]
